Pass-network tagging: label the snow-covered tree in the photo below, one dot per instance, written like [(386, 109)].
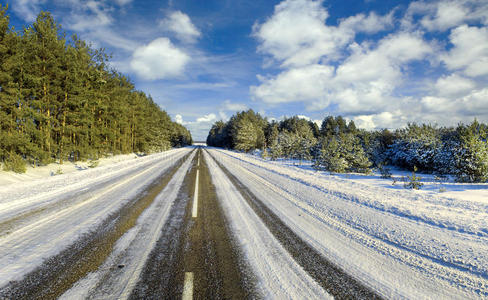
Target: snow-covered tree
[(341, 153), (471, 155)]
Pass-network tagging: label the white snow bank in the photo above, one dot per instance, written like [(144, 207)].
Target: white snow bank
[(402, 243), (54, 169)]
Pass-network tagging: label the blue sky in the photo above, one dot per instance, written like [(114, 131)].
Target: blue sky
[(379, 63)]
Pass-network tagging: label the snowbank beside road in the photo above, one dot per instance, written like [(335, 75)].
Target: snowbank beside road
[(55, 169), (402, 243)]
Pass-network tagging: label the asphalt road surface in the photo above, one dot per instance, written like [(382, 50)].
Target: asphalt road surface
[(181, 228)]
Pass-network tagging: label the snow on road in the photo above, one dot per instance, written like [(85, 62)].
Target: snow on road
[(279, 276), (403, 244), (23, 197), (25, 247), (132, 249)]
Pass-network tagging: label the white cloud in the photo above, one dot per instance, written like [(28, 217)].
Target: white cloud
[(443, 15), (435, 104), (207, 118), (364, 82), (223, 116), (379, 120), (475, 103), (379, 83), (181, 25), (470, 51), (296, 34), (229, 106), (454, 85), (355, 79), (447, 14), (179, 119), (303, 117), (159, 59), (92, 15), (385, 61), (27, 9), (305, 84), (369, 24)]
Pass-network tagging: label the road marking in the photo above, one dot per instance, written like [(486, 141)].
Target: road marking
[(188, 287), (195, 199), (198, 162)]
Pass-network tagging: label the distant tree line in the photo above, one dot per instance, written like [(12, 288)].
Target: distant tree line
[(60, 100), (338, 146)]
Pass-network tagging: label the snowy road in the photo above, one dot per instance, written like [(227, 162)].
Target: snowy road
[(208, 223)]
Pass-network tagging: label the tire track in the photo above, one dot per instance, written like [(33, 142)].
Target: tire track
[(200, 246), (335, 281)]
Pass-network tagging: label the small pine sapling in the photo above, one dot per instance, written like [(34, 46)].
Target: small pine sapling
[(413, 181)]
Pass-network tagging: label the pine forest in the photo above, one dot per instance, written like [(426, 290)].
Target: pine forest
[(60, 100), (338, 146)]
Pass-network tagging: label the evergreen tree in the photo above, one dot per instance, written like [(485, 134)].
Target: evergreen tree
[(58, 100), (471, 157)]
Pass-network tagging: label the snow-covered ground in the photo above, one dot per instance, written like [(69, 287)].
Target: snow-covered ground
[(402, 243), (63, 208), (431, 243), (55, 169)]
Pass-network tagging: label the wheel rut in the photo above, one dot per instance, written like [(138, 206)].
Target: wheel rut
[(202, 246), (333, 279)]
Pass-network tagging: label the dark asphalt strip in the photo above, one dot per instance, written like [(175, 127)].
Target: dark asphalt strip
[(60, 272), (202, 246), (162, 274), (333, 279)]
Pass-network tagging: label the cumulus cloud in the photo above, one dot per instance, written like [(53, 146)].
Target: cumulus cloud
[(305, 84), (363, 82), (443, 15), (369, 81), (179, 119), (372, 23), (447, 15), (159, 59), (454, 85), (380, 120), (470, 51), (207, 118), (296, 34), (181, 25)]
